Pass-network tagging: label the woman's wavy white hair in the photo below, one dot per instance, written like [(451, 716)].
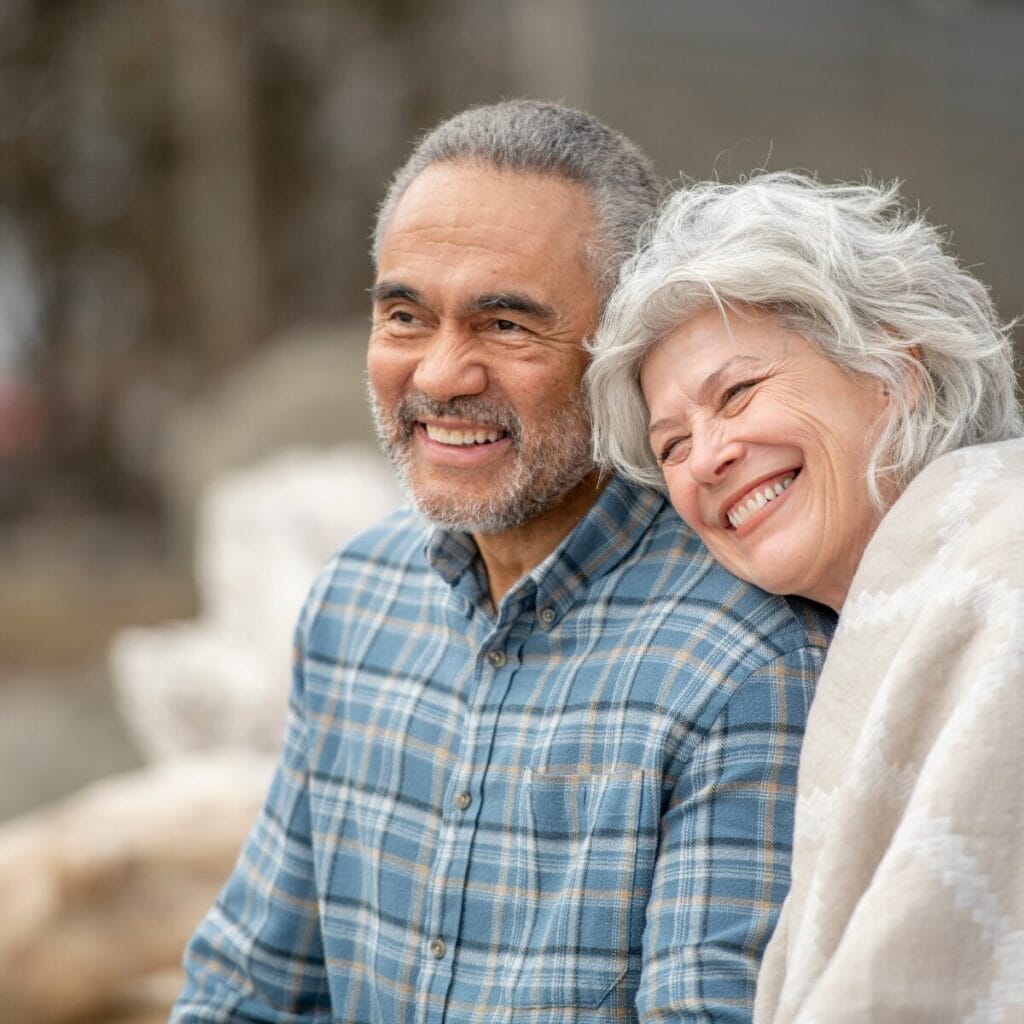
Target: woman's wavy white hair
[(850, 267)]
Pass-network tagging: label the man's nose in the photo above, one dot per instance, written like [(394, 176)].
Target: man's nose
[(711, 455), (450, 365)]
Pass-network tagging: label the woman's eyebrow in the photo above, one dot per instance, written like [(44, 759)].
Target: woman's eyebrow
[(707, 388), (665, 421), (713, 380)]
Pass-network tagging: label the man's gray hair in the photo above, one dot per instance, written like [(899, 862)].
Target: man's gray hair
[(848, 266), (531, 137)]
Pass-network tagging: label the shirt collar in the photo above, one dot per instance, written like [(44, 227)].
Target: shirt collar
[(597, 543)]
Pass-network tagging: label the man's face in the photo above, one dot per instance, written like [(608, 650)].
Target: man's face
[(481, 301)]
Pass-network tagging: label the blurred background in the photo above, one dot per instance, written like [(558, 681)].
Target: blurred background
[(187, 188)]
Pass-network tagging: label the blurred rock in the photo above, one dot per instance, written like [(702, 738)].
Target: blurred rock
[(101, 891), (221, 680), (304, 389), (58, 731)]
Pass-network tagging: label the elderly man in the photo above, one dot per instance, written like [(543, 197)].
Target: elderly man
[(541, 750)]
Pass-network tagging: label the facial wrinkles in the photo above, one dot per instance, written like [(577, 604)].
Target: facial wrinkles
[(459, 235), (804, 424), (834, 485), (814, 431), (544, 467)]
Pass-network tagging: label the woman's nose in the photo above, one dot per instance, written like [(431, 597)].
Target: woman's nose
[(711, 456), (449, 366)]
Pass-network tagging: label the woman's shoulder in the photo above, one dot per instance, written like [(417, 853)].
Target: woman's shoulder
[(986, 471), (967, 500), (959, 521)]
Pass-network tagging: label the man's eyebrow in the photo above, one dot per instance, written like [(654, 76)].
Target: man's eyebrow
[(512, 302), (384, 291)]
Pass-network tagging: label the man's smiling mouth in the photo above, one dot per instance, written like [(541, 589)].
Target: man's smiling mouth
[(463, 437)]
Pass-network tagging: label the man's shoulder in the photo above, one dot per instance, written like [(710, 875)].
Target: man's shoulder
[(393, 541), (385, 554), (675, 572), (380, 568)]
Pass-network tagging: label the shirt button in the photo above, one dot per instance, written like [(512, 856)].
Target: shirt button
[(496, 658), (463, 800), (547, 615), (437, 949)]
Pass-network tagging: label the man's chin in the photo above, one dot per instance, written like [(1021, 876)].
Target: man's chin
[(508, 496), (464, 517), (490, 514)]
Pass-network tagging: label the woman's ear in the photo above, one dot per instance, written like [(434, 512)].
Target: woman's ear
[(916, 375), (915, 368)]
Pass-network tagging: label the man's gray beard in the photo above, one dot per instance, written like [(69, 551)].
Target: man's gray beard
[(544, 470)]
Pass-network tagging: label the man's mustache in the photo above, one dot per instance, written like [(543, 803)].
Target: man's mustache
[(415, 407)]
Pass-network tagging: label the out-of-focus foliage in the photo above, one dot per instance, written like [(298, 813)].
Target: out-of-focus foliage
[(186, 185), (179, 181)]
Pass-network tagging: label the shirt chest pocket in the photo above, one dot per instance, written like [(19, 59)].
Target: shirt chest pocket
[(582, 876)]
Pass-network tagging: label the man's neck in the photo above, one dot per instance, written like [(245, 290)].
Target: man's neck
[(510, 555)]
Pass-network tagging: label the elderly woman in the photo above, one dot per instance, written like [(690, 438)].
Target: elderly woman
[(827, 398)]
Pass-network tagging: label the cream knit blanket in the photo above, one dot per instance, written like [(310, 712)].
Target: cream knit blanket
[(907, 902)]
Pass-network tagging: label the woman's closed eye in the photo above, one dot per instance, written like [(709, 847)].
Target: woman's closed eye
[(736, 390), (674, 451)]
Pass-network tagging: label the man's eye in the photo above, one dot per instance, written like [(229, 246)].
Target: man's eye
[(402, 322), (506, 325)]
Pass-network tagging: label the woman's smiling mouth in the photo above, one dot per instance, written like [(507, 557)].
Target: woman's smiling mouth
[(756, 499)]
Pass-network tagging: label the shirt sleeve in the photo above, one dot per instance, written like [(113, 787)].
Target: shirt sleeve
[(723, 862), (258, 955)]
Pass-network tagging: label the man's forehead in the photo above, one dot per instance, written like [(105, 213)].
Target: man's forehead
[(483, 238), (464, 173), (450, 194)]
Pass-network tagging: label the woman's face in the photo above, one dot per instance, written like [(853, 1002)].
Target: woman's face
[(764, 444)]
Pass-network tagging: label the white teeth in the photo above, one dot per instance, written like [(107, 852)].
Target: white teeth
[(460, 437), (739, 517), (741, 513)]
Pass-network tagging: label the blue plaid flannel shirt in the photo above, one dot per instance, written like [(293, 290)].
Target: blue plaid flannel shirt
[(577, 810)]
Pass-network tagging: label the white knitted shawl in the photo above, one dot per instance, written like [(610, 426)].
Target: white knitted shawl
[(907, 902)]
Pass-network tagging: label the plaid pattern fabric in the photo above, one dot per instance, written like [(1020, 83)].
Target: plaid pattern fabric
[(577, 810)]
